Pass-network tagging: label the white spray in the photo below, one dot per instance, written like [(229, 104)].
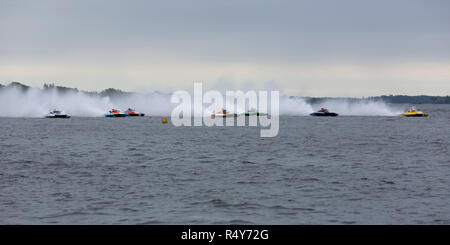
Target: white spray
[(36, 102)]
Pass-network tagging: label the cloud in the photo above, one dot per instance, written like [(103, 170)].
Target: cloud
[(168, 44)]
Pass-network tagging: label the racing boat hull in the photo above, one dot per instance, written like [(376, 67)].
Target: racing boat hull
[(247, 114), (116, 115), (223, 115), (57, 116), (415, 114), (324, 114), (136, 114)]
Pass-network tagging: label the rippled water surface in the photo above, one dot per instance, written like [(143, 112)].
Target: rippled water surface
[(344, 170)]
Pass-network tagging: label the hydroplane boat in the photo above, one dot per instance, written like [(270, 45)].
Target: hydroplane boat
[(116, 113), (57, 114), (133, 113), (254, 112), (223, 113), (323, 112), (413, 112)]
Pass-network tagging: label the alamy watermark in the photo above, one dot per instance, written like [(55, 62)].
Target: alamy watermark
[(215, 114)]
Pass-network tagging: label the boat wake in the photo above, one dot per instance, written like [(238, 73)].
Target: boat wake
[(360, 108), (36, 102)]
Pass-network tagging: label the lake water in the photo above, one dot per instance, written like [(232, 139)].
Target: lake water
[(343, 170)]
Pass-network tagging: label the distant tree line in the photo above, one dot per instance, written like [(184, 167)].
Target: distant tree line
[(111, 92), (420, 99), (397, 99), (394, 99)]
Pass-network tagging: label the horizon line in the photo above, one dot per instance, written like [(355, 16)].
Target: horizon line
[(158, 91)]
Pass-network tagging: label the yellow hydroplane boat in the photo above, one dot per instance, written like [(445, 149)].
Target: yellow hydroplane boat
[(413, 112)]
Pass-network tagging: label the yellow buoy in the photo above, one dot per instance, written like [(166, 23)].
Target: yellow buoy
[(164, 120)]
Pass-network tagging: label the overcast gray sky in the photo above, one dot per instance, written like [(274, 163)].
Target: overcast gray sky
[(315, 48)]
